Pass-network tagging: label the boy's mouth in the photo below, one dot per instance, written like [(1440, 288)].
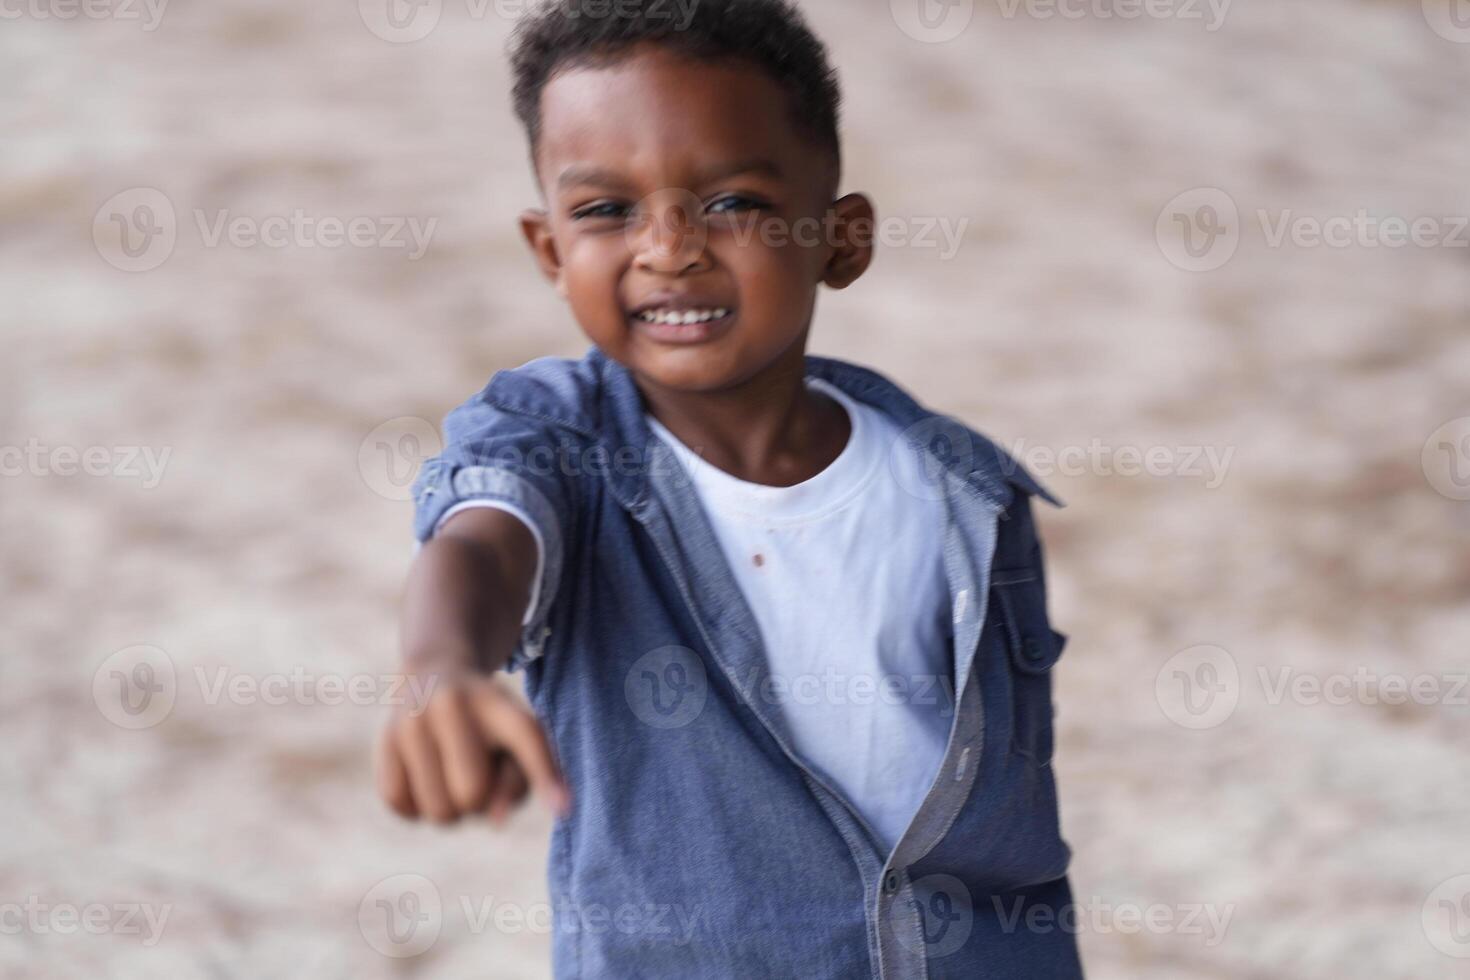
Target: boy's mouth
[(678, 321)]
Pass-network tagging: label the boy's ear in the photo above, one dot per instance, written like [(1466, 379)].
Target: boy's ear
[(852, 248), (536, 228)]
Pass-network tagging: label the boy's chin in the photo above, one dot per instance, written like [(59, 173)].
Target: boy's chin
[(693, 369)]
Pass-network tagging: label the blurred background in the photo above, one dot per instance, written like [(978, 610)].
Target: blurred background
[(1207, 275)]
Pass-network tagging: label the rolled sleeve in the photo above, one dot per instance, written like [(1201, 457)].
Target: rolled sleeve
[(516, 463)]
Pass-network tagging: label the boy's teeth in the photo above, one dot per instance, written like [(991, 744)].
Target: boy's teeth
[(675, 317)]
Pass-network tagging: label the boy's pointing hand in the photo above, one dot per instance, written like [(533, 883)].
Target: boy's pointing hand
[(473, 748)]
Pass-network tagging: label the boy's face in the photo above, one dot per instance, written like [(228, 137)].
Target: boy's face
[(678, 189)]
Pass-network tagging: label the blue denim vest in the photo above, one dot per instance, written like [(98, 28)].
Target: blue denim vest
[(699, 844)]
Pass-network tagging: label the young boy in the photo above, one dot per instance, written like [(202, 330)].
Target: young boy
[(791, 687)]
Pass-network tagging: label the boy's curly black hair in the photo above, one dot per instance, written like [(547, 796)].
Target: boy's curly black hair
[(769, 34)]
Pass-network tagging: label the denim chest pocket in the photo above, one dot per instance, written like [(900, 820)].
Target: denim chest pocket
[(1032, 649)]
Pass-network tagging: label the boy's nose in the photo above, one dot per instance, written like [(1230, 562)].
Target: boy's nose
[(668, 234)]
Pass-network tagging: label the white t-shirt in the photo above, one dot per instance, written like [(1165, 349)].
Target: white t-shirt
[(845, 575)]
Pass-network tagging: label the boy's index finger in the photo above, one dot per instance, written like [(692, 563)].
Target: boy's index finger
[(513, 728)]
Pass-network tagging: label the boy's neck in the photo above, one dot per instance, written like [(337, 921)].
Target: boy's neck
[(769, 429)]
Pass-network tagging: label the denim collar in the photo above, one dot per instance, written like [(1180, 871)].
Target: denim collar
[(614, 419)]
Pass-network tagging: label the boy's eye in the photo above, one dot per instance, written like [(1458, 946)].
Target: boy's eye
[(600, 209), (732, 203)]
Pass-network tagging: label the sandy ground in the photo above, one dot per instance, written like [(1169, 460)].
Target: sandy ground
[(272, 543)]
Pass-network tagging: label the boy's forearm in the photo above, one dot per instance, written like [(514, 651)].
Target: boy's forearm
[(463, 605)]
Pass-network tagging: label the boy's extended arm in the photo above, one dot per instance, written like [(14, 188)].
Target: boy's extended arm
[(471, 747), (466, 592)]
